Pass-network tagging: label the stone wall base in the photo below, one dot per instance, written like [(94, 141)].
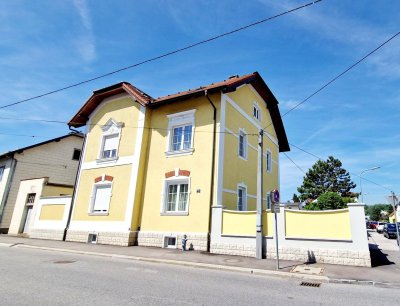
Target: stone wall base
[(320, 255), (195, 241), (113, 238), (50, 234)]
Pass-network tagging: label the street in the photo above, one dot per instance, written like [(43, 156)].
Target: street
[(39, 277)]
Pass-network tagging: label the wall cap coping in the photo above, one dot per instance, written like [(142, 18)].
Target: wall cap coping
[(355, 204)]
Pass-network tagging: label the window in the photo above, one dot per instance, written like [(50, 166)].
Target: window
[(170, 242), (182, 138), (110, 141), (110, 145), (269, 161), (241, 198), (76, 155), (101, 199), (180, 133), (242, 144), (268, 201), (1, 172), (256, 112), (177, 197), (30, 198)]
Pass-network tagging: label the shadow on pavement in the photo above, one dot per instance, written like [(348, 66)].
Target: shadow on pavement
[(378, 258)]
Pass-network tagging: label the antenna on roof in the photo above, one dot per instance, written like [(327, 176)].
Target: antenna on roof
[(233, 76)]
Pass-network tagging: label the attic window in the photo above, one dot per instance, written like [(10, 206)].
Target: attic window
[(256, 112), (76, 155)]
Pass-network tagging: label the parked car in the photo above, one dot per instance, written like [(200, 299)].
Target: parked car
[(389, 230), (372, 224), (380, 226)]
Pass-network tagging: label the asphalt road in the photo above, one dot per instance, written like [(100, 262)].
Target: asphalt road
[(38, 277)]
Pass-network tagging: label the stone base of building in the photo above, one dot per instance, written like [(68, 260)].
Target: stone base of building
[(49, 234), (195, 241), (113, 238), (329, 256)]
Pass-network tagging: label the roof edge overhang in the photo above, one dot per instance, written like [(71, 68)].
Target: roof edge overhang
[(82, 116)]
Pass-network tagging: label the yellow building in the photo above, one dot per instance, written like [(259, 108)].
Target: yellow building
[(153, 170)]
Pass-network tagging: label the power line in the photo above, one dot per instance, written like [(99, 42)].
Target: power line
[(100, 125), (298, 167), (338, 76), (312, 154), (164, 55)]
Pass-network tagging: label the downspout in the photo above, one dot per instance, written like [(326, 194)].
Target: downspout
[(212, 170), (75, 187)]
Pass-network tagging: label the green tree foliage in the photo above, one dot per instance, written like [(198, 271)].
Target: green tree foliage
[(295, 198), (325, 176), (326, 201), (374, 211)]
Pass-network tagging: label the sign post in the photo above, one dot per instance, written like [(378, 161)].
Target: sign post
[(395, 203), (276, 209)]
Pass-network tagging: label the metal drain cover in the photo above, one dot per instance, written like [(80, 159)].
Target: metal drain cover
[(308, 284), (64, 261), (308, 270)]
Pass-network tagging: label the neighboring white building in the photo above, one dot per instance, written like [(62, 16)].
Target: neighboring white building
[(57, 159)]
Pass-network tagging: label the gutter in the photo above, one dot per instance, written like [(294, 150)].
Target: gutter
[(212, 169), (75, 186)]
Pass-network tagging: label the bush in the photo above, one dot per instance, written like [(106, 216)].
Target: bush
[(326, 201)]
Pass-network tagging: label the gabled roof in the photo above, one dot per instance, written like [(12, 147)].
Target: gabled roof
[(226, 86), (98, 95), (20, 150)]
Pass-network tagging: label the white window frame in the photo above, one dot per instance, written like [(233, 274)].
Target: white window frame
[(257, 110), (268, 161), (177, 120), (2, 169), (164, 197), (93, 198), (111, 128), (243, 133), (268, 203), (242, 187)]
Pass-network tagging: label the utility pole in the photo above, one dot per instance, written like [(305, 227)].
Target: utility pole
[(259, 225)]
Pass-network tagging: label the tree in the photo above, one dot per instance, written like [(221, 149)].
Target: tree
[(326, 201), (295, 198), (374, 211), (326, 176)]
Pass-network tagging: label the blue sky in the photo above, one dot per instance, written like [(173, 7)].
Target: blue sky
[(45, 45)]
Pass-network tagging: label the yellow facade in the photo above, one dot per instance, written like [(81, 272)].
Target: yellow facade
[(198, 163), (239, 116), (121, 110), (119, 194), (318, 224), (247, 221), (52, 212), (55, 191)]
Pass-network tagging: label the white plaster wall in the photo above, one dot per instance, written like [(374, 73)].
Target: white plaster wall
[(17, 220)]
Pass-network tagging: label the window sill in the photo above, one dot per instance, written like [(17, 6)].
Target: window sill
[(175, 213), (106, 160), (179, 153), (98, 214), (243, 158)]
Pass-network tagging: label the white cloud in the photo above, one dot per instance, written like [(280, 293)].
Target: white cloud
[(85, 42)]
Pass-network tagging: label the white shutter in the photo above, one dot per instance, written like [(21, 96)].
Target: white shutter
[(102, 198), (110, 143)]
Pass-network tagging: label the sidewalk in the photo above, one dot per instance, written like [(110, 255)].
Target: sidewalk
[(388, 274)]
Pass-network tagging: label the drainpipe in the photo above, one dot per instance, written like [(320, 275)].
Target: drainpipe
[(212, 170), (75, 187)]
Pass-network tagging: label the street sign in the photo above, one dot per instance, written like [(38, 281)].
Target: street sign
[(276, 208)]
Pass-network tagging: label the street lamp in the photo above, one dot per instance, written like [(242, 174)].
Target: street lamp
[(361, 173)]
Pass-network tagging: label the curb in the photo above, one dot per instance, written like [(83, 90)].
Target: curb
[(323, 279)]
